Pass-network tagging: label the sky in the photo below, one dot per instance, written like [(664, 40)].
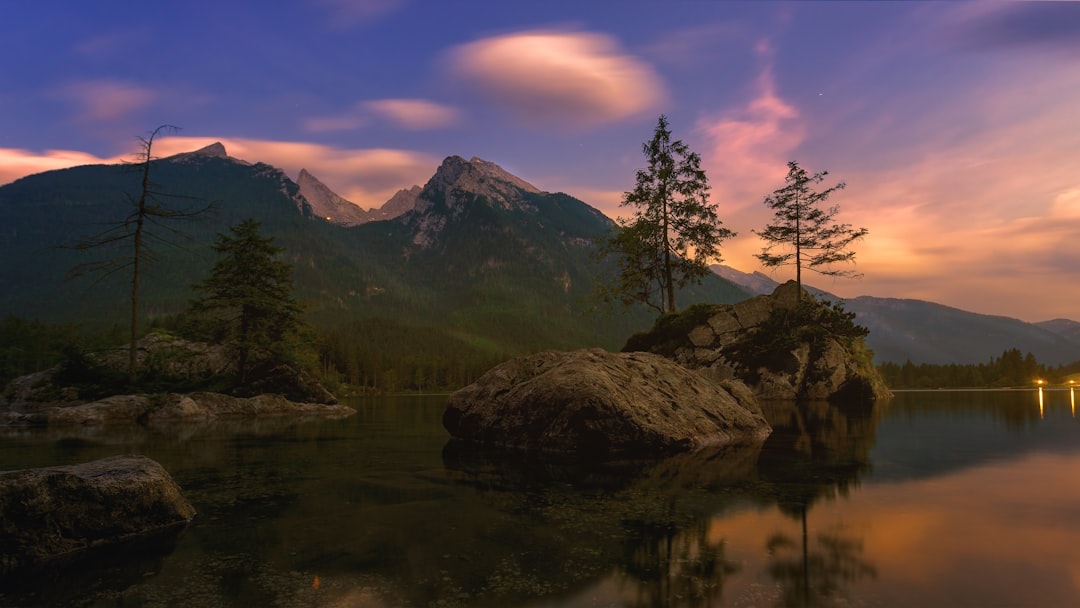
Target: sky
[(954, 125)]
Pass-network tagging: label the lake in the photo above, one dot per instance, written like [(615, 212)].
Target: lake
[(934, 499)]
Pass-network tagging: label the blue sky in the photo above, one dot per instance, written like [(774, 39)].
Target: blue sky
[(955, 125)]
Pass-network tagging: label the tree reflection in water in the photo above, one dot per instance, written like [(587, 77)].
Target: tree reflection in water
[(816, 450), (667, 567), (811, 579), (650, 525)]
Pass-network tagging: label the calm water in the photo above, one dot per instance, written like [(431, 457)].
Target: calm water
[(936, 499)]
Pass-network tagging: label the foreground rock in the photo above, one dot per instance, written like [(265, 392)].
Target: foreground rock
[(53, 512), (602, 405), (811, 362), (163, 409)]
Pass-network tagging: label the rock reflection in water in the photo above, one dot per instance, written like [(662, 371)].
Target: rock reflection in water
[(74, 579), (649, 526), (382, 517), (643, 523)]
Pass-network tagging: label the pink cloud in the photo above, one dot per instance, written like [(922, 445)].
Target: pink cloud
[(749, 146), (559, 78), (106, 99), (16, 163), (414, 114), (409, 114), (367, 177)]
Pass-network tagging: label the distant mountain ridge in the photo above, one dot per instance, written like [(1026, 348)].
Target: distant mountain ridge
[(926, 332), (476, 256)]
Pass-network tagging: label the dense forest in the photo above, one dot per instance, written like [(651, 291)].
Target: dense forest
[(1011, 369), (384, 356)]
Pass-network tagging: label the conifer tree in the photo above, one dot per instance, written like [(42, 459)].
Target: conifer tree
[(808, 232), (674, 231), (249, 296)]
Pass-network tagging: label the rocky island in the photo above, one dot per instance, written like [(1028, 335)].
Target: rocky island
[(693, 381), (53, 397), (599, 405)]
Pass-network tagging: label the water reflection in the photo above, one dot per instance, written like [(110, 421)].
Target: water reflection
[(940, 495), (651, 524), (816, 575)]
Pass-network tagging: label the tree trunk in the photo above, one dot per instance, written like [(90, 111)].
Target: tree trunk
[(140, 219)]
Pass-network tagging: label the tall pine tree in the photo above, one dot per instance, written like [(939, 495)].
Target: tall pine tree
[(248, 297), (808, 233), (674, 231)]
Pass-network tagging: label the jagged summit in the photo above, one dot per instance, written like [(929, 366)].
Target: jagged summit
[(327, 204), (214, 150), (336, 209), (403, 200), (477, 176)]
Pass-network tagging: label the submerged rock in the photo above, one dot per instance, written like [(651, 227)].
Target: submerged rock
[(602, 405), (52, 512)]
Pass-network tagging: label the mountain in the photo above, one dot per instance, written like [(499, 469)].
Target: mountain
[(1064, 327), (925, 332), (479, 260), (402, 201), (327, 204), (756, 282)]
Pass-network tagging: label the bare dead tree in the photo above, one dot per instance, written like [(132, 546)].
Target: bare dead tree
[(148, 209)]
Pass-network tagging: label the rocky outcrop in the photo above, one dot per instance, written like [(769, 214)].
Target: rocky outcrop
[(601, 405), (816, 363), (52, 512), (52, 397), (162, 409)]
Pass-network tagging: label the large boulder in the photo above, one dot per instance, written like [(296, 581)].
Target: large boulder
[(52, 512), (813, 360), (601, 405)]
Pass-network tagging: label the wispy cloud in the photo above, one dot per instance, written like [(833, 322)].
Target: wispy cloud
[(367, 177), (1012, 26), (564, 79), (749, 145), (16, 163), (408, 114), (105, 100), (415, 114)]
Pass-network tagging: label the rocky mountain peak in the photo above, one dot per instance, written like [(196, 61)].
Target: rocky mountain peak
[(214, 150), (479, 177), (403, 200), (327, 204)]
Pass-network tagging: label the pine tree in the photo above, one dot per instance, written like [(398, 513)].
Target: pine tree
[(674, 231), (814, 241), (249, 297)]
